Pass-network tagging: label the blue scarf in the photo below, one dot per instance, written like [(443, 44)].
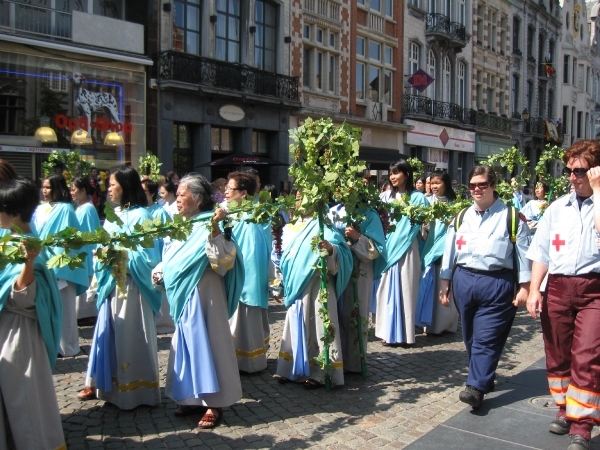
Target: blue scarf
[(255, 250), (399, 241), (61, 216), (48, 304), (185, 263), (298, 261), (139, 265), (88, 221)]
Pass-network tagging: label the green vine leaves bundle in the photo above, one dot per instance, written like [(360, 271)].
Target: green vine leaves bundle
[(517, 165), (150, 166), (559, 185), (73, 163), (417, 166)]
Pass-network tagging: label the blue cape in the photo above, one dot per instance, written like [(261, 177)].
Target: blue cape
[(184, 266), (88, 221), (399, 241), (140, 264), (48, 304), (61, 216), (255, 250), (298, 261)]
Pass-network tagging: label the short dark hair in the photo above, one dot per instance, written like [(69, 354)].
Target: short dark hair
[(83, 183), (171, 187), (7, 170), (129, 179), (403, 166), (201, 189), (152, 187), (60, 191), (486, 171), (19, 197), (244, 181)]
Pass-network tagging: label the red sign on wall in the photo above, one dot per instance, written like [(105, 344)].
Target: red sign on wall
[(420, 80)]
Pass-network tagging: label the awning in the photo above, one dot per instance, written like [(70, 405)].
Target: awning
[(243, 159)]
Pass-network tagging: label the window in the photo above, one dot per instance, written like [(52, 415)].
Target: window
[(565, 117), (264, 37), (413, 62), (503, 23), (220, 140), (447, 81), (374, 81), (431, 6), (550, 113), (579, 124), (493, 17), (319, 36), (388, 55), (375, 51), (541, 99), (388, 8), (10, 110), (360, 81), (491, 93), (462, 12), (479, 92), (307, 32), (228, 30), (480, 13), (461, 85), (514, 90), (588, 80), (530, 41), (516, 35), (360, 46), (431, 71), (182, 149), (319, 71), (331, 77), (259, 143), (502, 95), (566, 64), (55, 80), (332, 40), (387, 88), (529, 99), (375, 5), (580, 73), (448, 7), (574, 76), (306, 68), (186, 26)]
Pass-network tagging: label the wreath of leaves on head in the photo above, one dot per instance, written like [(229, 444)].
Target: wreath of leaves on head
[(72, 162), (150, 165), (558, 185), (517, 165)]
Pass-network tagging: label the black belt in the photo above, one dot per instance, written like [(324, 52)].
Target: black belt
[(485, 272)]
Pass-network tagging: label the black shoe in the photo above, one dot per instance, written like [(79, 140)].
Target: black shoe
[(471, 396), (578, 442), (559, 426)]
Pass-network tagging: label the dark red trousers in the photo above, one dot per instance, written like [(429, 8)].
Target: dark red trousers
[(571, 326)]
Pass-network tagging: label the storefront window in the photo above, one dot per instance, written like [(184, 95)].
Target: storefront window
[(72, 96), (220, 140), (182, 149), (259, 143)]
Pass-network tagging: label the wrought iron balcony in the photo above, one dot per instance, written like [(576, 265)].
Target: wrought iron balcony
[(202, 71), (424, 106), (535, 125), (440, 26)]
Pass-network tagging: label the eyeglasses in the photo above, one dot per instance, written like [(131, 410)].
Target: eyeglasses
[(232, 189), (579, 172), (481, 186)]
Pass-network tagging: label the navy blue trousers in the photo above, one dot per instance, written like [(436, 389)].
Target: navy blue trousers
[(484, 303)]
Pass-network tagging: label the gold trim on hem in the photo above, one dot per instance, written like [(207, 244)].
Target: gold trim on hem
[(312, 362), (62, 447), (135, 385), (252, 354)]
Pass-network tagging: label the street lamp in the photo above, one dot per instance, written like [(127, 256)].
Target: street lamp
[(525, 115)]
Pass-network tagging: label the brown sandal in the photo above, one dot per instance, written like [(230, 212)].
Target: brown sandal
[(87, 393), (210, 419)]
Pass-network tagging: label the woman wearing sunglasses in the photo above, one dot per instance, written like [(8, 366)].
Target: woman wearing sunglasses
[(566, 247), (479, 259)]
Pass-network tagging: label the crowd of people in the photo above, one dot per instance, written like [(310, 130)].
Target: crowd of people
[(211, 291)]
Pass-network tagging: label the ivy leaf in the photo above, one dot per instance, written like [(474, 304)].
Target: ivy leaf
[(111, 215)]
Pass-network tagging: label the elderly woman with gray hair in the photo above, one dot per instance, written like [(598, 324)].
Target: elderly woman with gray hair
[(203, 278)]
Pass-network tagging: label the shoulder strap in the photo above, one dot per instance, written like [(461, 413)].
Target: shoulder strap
[(511, 223), (458, 219)]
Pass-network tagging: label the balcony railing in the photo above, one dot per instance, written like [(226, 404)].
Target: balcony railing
[(421, 105), (193, 69), (37, 20), (535, 125), (440, 23)]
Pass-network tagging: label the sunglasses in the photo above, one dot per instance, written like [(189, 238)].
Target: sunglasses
[(481, 186), (580, 172)]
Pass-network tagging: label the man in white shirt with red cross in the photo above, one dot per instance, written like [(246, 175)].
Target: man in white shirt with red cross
[(566, 246)]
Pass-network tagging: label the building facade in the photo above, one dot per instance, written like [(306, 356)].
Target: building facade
[(77, 72)]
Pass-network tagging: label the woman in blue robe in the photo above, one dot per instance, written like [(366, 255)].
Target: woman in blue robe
[(81, 191), (250, 322), (53, 216), (431, 314), (397, 291), (164, 322), (203, 277), (123, 365), (303, 329), (30, 322)]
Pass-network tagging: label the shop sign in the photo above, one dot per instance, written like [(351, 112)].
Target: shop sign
[(420, 80), (21, 149), (231, 113), (434, 136), (81, 123)]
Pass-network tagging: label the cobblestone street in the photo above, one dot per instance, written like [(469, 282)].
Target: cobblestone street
[(408, 392)]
